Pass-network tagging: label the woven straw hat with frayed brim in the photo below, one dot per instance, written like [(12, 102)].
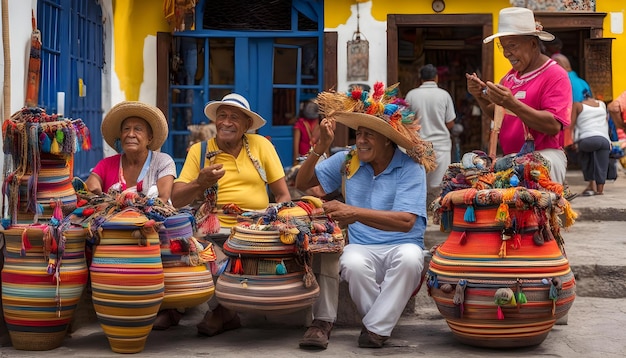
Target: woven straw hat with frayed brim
[(237, 101), (112, 122), (518, 21), (355, 120)]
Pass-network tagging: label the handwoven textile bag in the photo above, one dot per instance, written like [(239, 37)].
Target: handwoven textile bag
[(499, 288), (187, 277), (127, 280), (38, 306)]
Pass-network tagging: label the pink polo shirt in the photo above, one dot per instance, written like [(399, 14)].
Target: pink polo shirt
[(547, 88)]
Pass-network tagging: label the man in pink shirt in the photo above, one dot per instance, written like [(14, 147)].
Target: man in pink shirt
[(536, 93)]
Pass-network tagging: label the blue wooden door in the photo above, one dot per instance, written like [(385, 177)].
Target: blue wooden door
[(72, 63), (275, 70)]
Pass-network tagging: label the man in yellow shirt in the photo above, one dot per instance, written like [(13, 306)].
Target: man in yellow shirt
[(240, 165)]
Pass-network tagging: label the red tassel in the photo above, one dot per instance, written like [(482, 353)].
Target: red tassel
[(463, 238), (238, 267), (500, 313), (502, 253), (81, 202), (517, 241), (25, 242), (57, 213), (88, 212)]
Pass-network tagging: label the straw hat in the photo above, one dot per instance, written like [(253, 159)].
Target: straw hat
[(112, 123), (381, 111), (518, 21), (237, 101)]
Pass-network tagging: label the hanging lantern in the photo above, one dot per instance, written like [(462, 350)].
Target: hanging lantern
[(358, 54)]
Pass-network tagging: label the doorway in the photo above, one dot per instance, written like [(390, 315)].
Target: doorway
[(453, 44), (454, 51)]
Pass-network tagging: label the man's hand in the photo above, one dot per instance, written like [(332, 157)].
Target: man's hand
[(210, 175), (342, 213)]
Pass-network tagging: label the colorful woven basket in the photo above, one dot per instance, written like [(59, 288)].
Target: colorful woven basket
[(39, 295), (265, 275), (127, 280), (501, 279), (188, 280), (40, 148), (269, 294)]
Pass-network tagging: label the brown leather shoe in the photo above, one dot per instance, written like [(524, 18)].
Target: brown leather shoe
[(316, 337), (218, 321), (369, 339), (166, 318)]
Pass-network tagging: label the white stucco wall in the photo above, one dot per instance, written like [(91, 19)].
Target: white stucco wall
[(375, 32)]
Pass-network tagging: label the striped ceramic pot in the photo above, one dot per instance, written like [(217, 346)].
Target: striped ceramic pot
[(127, 280), (500, 284), (39, 293)]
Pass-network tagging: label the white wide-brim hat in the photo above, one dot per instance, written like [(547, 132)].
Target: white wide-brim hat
[(111, 127), (518, 21), (237, 101)]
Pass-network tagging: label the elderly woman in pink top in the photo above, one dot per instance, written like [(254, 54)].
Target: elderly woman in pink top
[(137, 131), (536, 93)]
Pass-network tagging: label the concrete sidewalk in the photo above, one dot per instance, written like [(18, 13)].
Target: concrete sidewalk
[(595, 246)]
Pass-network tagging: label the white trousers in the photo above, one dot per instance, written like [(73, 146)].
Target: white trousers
[(381, 279), (326, 268)]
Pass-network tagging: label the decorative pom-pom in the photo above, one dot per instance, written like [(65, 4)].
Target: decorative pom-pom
[(502, 214)]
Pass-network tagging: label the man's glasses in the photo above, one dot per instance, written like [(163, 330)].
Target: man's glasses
[(508, 48)]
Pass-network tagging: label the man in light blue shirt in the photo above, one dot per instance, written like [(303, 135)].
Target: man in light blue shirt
[(384, 209)]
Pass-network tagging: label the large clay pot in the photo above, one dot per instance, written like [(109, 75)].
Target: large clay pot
[(500, 288), (188, 279), (38, 305), (127, 280)]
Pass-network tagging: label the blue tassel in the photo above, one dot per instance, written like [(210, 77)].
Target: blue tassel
[(6, 223), (45, 142), (446, 221), (281, 269), (469, 217)]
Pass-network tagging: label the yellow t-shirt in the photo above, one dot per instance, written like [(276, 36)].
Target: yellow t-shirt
[(242, 183)]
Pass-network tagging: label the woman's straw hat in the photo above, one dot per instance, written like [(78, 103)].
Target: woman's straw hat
[(518, 21), (237, 101), (112, 123)]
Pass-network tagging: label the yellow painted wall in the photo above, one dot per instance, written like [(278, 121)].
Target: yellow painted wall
[(133, 21), (336, 12)]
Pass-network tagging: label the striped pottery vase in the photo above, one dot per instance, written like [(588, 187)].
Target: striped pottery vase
[(188, 279), (127, 280), (38, 306), (500, 287), (263, 275)]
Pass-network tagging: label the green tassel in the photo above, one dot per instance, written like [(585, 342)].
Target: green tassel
[(60, 136), (521, 298)]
